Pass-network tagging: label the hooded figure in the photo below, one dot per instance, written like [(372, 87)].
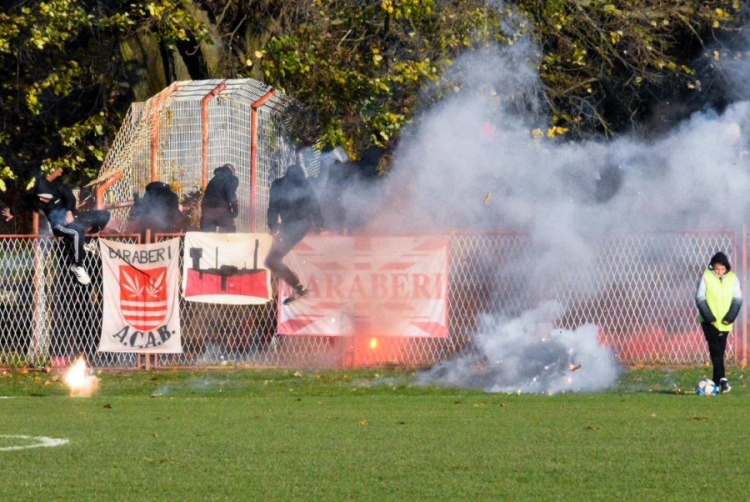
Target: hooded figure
[(293, 210), (219, 206), (158, 210), (719, 299), (54, 199), (58, 204)]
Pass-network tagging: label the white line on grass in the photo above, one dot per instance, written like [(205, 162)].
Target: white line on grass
[(41, 442)]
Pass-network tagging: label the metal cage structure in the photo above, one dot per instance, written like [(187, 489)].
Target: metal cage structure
[(182, 134)]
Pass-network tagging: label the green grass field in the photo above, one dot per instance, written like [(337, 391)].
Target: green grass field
[(369, 435)]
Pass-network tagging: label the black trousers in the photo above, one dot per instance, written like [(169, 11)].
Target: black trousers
[(212, 217), (717, 345), (289, 235), (74, 234)]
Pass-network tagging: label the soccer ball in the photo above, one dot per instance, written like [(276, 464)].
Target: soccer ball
[(707, 387)]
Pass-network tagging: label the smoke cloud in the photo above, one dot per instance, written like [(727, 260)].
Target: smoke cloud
[(525, 355), (472, 164)]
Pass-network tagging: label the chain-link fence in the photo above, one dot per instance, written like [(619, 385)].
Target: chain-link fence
[(639, 292)]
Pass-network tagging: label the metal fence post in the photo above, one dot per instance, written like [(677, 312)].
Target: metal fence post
[(39, 346), (204, 131), (254, 157)]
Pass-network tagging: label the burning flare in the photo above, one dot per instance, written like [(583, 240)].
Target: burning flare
[(81, 383)]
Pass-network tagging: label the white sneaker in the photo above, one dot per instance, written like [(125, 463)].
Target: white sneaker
[(81, 275)]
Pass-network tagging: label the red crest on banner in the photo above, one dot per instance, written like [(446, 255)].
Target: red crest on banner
[(143, 297)]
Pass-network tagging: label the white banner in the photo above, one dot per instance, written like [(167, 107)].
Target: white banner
[(226, 268), (141, 297), (387, 286)]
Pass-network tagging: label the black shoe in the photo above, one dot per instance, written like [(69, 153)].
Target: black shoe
[(724, 386), (296, 295)]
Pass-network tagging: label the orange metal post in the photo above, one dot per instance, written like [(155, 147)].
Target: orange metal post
[(204, 131), (55, 174), (155, 132), (104, 187), (254, 154)]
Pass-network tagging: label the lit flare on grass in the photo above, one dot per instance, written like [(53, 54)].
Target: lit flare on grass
[(81, 383), (373, 343)]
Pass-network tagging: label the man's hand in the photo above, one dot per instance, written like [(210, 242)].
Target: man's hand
[(7, 214), (69, 218)]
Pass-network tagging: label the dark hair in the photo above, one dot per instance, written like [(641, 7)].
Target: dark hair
[(721, 259)]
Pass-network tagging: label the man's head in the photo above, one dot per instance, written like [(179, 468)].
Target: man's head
[(44, 190), (295, 172)]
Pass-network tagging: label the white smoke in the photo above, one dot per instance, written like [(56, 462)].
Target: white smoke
[(525, 355), (472, 164)]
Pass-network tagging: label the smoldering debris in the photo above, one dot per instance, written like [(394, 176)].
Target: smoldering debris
[(525, 355)]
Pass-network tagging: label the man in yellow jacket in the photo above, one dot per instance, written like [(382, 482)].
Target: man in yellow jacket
[(719, 298)]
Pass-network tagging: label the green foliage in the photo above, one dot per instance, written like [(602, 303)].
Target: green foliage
[(605, 64), (361, 66), (66, 88), (362, 69)]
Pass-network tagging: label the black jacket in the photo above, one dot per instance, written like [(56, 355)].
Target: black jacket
[(292, 198), (221, 192), (158, 210), (61, 201)]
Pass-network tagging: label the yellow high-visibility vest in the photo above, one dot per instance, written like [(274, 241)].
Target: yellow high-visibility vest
[(719, 293)]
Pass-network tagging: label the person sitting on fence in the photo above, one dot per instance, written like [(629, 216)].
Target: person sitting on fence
[(293, 210), (58, 204), (219, 206), (158, 210)]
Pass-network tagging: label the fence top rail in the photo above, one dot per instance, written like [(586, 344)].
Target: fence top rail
[(438, 234)]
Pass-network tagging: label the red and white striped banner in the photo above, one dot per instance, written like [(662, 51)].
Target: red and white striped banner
[(387, 286), (141, 297)]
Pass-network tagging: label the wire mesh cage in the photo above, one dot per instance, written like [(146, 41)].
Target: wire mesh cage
[(191, 128)]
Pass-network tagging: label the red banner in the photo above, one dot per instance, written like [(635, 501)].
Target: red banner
[(226, 268), (387, 286)]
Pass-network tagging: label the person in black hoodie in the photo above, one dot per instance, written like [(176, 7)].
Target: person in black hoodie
[(58, 204), (718, 298), (158, 210), (293, 210), (219, 205)]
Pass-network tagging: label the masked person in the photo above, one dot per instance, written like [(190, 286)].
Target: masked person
[(158, 210), (719, 299), (58, 204), (219, 205), (293, 211)]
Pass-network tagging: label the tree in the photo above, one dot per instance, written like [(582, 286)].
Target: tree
[(607, 64), (359, 68), (70, 78)]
